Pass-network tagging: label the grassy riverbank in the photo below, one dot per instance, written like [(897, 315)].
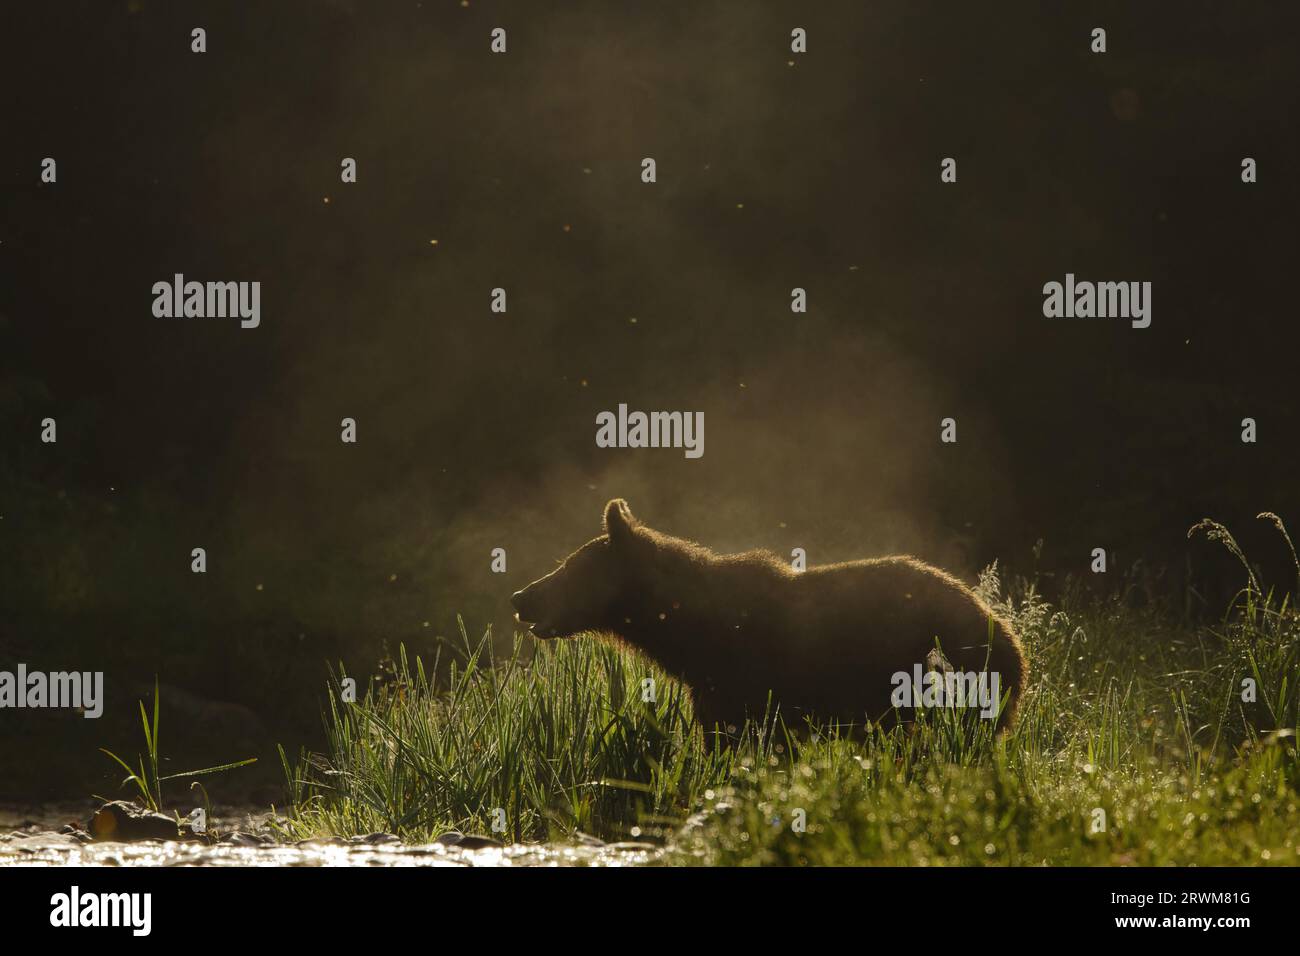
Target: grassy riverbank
[(1139, 743)]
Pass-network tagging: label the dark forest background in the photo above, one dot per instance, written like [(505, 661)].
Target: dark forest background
[(476, 430)]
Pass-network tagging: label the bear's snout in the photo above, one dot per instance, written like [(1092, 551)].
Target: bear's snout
[(527, 609), (519, 601)]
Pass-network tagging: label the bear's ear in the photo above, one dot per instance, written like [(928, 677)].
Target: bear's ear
[(619, 522)]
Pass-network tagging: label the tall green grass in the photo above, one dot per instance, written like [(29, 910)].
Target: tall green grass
[(1130, 714), (566, 741)]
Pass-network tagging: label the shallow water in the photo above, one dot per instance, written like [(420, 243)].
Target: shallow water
[(32, 837)]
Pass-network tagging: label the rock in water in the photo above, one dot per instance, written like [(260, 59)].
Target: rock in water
[(122, 821)]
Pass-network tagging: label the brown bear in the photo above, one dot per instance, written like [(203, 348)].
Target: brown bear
[(842, 643)]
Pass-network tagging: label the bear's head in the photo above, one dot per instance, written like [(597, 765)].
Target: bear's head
[(584, 592)]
